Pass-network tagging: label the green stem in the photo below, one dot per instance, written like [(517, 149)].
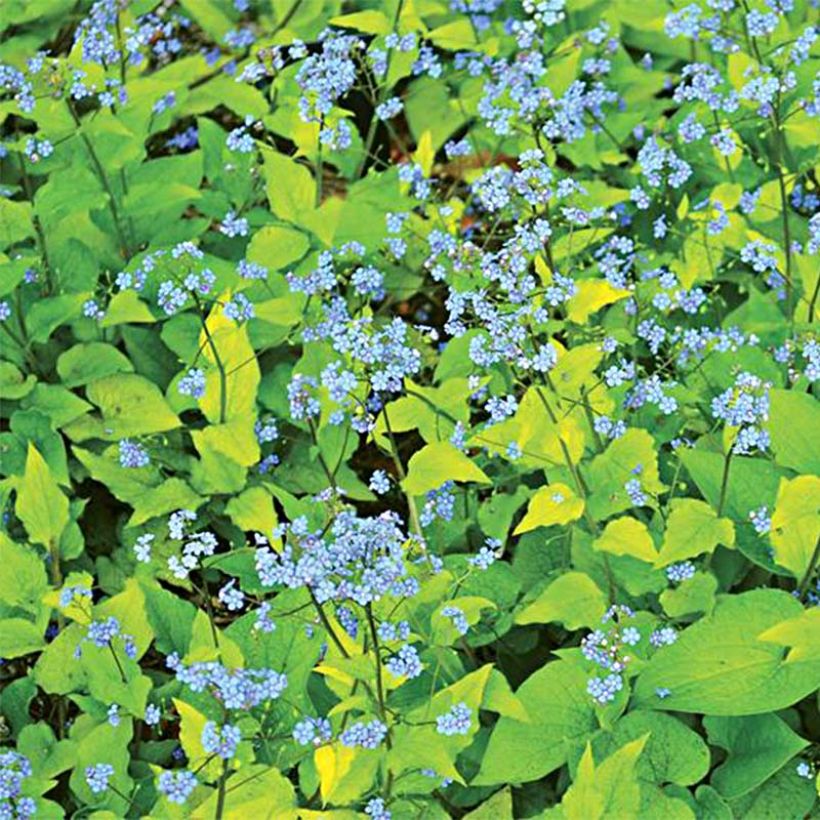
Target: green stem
[(57, 582), (38, 227), (803, 586), (221, 791), (374, 120), (103, 177), (394, 453), (117, 661), (223, 378), (327, 625), (724, 482)]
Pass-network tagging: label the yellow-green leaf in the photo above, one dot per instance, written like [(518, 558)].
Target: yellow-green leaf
[(693, 528), (591, 296), (796, 523), (436, 463), (627, 536), (555, 504), (41, 505)]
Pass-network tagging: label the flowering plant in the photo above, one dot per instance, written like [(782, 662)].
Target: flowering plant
[(409, 408)]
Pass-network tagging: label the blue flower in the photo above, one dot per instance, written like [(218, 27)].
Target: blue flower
[(456, 721), (97, 777)]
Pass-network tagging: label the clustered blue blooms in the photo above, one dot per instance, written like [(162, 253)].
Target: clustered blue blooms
[(103, 634), (358, 559), (233, 688), (745, 405), (14, 769), (456, 721)]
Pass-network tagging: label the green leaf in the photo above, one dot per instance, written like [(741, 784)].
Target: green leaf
[(41, 505), (276, 246), (796, 523), (627, 536), (370, 22), (126, 307), (573, 599), (786, 794), (692, 529), (13, 385), (758, 746), (694, 595), (562, 716), (436, 463), (88, 362), (290, 187), (720, 666), (674, 753), (610, 790), (19, 637), (792, 418), (752, 482), (15, 222)]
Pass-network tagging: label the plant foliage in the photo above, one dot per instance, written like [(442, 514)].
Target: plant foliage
[(409, 409)]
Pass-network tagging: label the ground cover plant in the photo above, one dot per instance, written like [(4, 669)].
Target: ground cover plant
[(408, 409)]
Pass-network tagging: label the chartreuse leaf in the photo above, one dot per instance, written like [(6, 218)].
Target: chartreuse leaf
[(758, 745), (610, 791), (539, 439), (632, 456), (370, 22), (126, 307), (555, 504), (444, 631), (590, 297), (627, 536), (498, 807), (23, 579), (277, 246), (436, 463), (41, 505), (290, 187), (573, 599), (720, 665), (192, 722), (233, 378), (19, 637), (234, 440), (801, 634), (434, 411), (130, 405), (345, 774), (256, 791), (693, 528), (253, 510), (562, 716), (90, 361), (796, 523)]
